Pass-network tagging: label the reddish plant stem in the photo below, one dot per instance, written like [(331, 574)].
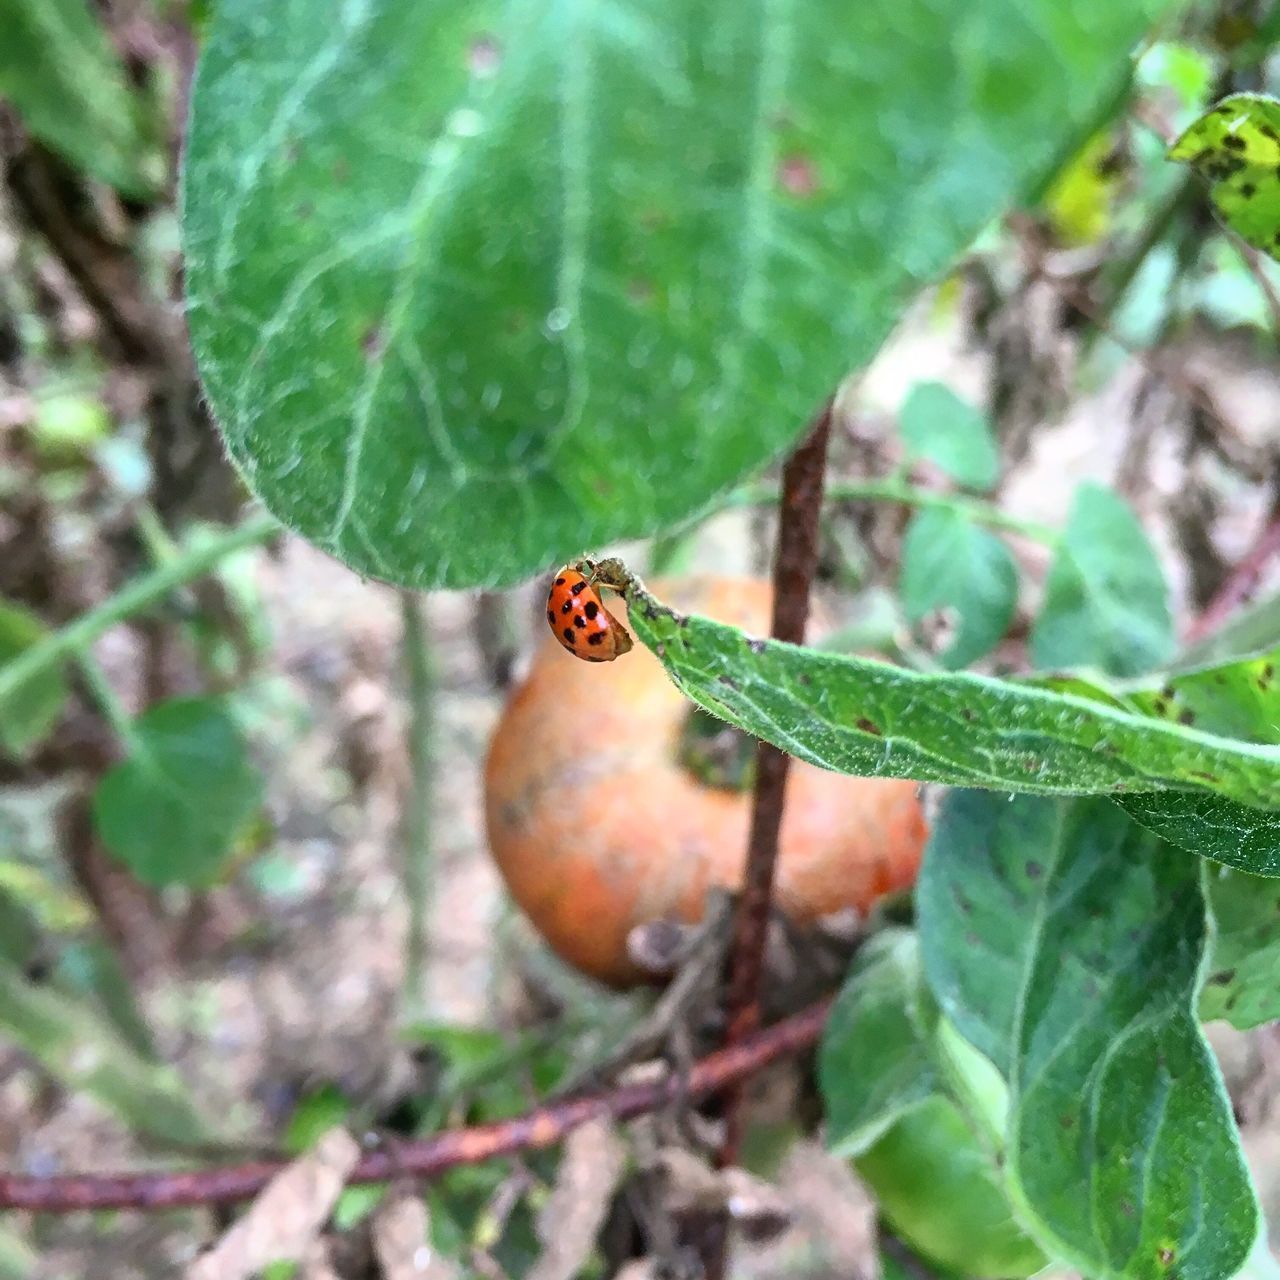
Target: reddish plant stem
[(428, 1157), (1241, 582), (794, 566)]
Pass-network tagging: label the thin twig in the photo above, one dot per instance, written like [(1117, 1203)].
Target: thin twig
[(892, 489), (138, 595), (417, 809), (1241, 582), (428, 1157), (795, 564)]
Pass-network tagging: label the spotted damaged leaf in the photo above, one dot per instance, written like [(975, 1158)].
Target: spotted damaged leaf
[(1235, 147), (475, 285), (858, 715)]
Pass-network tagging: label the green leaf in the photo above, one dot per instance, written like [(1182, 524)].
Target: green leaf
[(474, 285), (1242, 981), (1238, 698), (30, 711), (314, 1116), (174, 809), (59, 70), (1065, 943), (1106, 603), (949, 432), (1235, 147), (875, 1060), (939, 1189), (950, 563), (857, 715)]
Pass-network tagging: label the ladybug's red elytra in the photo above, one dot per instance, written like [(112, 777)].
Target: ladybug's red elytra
[(577, 616)]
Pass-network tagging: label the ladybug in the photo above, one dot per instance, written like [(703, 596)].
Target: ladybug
[(580, 621)]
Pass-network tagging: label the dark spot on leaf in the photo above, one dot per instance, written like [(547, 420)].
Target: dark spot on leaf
[(1233, 142), (1186, 716), (1169, 692), (1223, 110), (1223, 978), (596, 637), (1165, 1256), (1202, 774), (968, 714), (1034, 871), (374, 342), (756, 646), (304, 211), (962, 902), (804, 679), (797, 175), (661, 651), (1126, 1207), (484, 57), (1247, 190), (1160, 707), (728, 681), (868, 726), (640, 291), (1067, 1122), (682, 620), (568, 635), (1268, 132)]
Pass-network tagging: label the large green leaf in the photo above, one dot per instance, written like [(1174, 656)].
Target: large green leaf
[(948, 562), (174, 809), (1235, 147), (61, 73), (475, 284), (876, 1058), (857, 715), (1065, 944), (1106, 604), (940, 1190), (31, 710)]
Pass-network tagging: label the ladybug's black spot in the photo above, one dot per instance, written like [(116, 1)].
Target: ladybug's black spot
[(596, 637), (591, 608), (579, 622), (567, 607), (568, 635), (551, 617), (559, 582), (578, 588)]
